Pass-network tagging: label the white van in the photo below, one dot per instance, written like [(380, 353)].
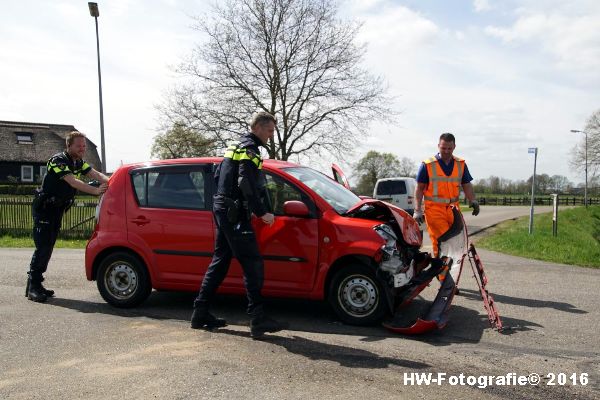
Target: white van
[(399, 191)]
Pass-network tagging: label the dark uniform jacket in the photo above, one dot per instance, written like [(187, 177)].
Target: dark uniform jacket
[(240, 177), (59, 166)]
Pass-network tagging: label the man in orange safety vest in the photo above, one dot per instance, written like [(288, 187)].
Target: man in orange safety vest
[(439, 180)]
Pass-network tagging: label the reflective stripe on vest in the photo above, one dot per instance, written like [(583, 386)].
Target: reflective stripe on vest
[(435, 179), (237, 154)]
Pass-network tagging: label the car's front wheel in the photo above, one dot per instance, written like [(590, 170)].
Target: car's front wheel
[(356, 295), (123, 280)]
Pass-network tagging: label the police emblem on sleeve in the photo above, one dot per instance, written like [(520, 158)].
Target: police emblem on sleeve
[(251, 153)]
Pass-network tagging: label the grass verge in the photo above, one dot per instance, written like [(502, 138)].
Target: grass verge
[(577, 243), (9, 241)]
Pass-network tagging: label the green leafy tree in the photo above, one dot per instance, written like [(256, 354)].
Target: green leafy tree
[(373, 166), (181, 142)]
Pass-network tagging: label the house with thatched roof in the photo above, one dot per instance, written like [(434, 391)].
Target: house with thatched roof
[(25, 147)]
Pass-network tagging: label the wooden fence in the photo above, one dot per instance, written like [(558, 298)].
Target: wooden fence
[(16, 219), (541, 200)]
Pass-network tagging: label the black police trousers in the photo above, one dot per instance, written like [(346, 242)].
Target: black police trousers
[(239, 241), (46, 225)]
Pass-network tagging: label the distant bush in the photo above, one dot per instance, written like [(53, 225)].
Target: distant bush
[(13, 189)]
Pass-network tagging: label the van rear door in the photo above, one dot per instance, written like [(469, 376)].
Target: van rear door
[(399, 192)]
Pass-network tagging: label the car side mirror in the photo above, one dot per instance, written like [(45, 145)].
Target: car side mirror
[(295, 208)]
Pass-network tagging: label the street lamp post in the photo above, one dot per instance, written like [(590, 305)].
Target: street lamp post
[(586, 166), (94, 12)]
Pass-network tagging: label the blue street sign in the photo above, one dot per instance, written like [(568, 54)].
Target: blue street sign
[(531, 150)]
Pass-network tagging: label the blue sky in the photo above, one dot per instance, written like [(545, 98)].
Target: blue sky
[(501, 75)]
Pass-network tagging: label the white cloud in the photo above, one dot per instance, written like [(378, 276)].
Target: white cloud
[(526, 83), (572, 41), (398, 27), (481, 5)]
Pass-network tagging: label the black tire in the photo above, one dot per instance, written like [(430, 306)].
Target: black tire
[(123, 280), (356, 295)]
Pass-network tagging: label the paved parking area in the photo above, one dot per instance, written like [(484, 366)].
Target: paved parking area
[(76, 346)]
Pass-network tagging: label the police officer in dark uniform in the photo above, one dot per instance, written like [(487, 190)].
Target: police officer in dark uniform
[(240, 188), (51, 201)]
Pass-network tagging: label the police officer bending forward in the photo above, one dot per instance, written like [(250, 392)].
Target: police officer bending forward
[(239, 189), (51, 201)]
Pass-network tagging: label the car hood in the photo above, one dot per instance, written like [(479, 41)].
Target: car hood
[(378, 210)]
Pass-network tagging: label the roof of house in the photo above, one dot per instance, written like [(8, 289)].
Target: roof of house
[(46, 140)]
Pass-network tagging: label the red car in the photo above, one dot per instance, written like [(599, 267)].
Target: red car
[(155, 230)]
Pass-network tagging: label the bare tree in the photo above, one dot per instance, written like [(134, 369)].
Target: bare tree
[(560, 183), (407, 167), (577, 161), (292, 58)]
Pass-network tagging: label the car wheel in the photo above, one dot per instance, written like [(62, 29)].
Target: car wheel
[(123, 280), (357, 296)]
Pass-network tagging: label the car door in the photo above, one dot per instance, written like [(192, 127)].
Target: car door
[(171, 215), (290, 246), (339, 176)]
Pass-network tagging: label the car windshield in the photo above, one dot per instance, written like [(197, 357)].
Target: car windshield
[(340, 198)]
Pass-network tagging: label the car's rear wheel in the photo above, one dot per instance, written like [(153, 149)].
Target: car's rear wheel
[(356, 295), (123, 280)]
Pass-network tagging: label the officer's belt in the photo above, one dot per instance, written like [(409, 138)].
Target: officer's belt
[(228, 201)]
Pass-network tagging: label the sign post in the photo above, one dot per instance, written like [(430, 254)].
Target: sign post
[(555, 216), (534, 151)]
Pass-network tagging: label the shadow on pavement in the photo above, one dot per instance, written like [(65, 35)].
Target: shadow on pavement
[(345, 356), (465, 325), (518, 301)]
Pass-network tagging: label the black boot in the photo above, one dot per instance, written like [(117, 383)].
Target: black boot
[(202, 319), (48, 292), (262, 324), (36, 293)]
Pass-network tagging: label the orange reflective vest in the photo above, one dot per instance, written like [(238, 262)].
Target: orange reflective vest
[(443, 189)]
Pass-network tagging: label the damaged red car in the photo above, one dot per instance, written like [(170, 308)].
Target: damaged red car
[(155, 230)]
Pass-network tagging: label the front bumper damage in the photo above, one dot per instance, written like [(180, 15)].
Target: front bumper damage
[(409, 280)]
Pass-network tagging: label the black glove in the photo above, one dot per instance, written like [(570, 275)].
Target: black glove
[(475, 206)]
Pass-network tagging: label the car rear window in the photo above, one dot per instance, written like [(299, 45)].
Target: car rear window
[(391, 187), (170, 189)]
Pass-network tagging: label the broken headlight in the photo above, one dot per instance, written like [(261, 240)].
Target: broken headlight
[(390, 261)]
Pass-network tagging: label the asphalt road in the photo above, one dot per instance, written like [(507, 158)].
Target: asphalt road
[(76, 346)]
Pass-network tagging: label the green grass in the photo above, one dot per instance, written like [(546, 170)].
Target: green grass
[(9, 241), (577, 243)]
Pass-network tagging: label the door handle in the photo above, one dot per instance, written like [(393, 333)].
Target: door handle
[(141, 220)]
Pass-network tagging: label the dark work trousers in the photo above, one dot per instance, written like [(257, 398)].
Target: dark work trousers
[(237, 241), (46, 225)]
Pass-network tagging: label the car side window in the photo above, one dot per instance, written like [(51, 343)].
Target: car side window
[(180, 188), (280, 191)]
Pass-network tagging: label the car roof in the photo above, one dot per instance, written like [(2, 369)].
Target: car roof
[(273, 164), (398, 178)]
